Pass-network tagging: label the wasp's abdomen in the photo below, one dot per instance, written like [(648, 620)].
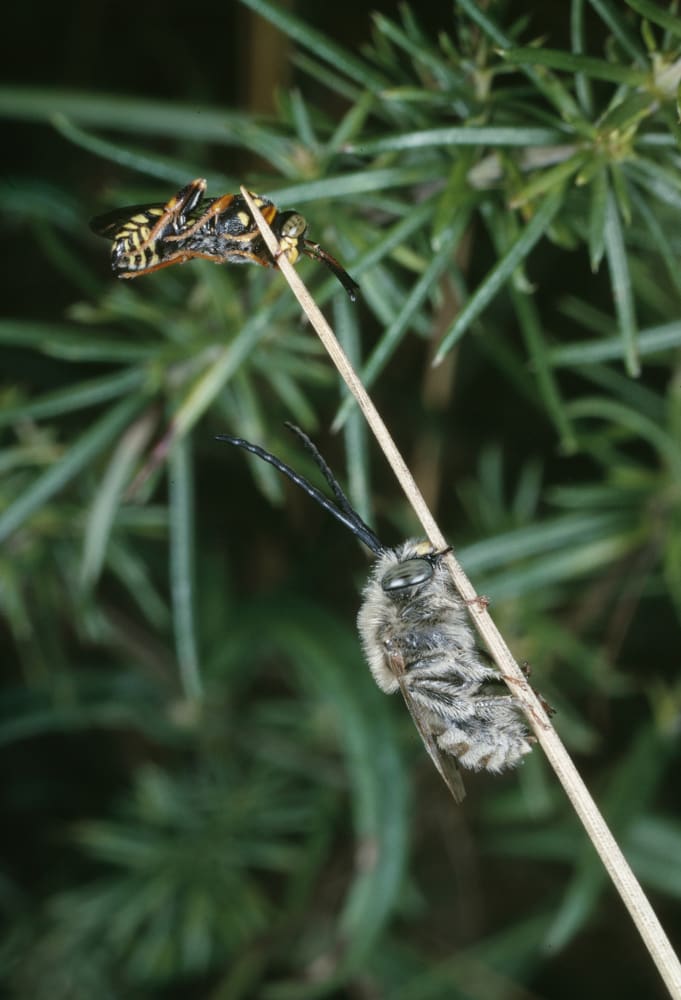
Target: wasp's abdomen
[(131, 250)]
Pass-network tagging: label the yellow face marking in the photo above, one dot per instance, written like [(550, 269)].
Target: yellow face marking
[(424, 548), (289, 247), (244, 218)]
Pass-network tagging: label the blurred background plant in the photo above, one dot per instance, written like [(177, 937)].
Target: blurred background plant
[(204, 795)]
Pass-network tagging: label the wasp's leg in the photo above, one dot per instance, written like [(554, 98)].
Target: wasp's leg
[(219, 207), (174, 212), (180, 256)]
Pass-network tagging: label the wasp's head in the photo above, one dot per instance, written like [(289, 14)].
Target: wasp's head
[(290, 229)]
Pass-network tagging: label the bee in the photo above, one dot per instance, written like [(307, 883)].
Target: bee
[(418, 639), (147, 238)]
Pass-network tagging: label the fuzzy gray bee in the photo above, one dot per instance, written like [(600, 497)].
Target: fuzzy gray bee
[(417, 639)]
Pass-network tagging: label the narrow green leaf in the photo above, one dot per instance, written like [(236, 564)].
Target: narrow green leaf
[(181, 524), (551, 536), (653, 12), (418, 48), (131, 114), (355, 431), (640, 426), (480, 16), (211, 382), (597, 210), (653, 341), (318, 43), (571, 62), (654, 849), (73, 343), (549, 86), (621, 285), (582, 83), (336, 83), (108, 496), (133, 573), (302, 121), (396, 236), (630, 392), (352, 122), (388, 343), (354, 184), (288, 389), (164, 169), (84, 451), (660, 238), (656, 179), (628, 113), (78, 396), (582, 562), (502, 271), (612, 15), (530, 323), (546, 180), (460, 135)]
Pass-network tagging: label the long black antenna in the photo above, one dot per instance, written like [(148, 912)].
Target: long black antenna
[(343, 512)]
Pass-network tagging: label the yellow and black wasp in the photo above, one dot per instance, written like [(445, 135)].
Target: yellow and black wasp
[(147, 238)]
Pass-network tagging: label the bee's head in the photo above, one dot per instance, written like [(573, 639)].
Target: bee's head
[(414, 567)]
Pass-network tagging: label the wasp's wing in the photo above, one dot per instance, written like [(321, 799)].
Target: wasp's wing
[(109, 223), (445, 763)]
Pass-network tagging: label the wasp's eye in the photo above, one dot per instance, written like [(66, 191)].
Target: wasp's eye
[(409, 573), (294, 226)]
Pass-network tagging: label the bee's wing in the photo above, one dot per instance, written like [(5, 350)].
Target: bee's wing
[(445, 763)]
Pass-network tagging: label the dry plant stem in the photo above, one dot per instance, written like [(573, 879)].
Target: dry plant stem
[(615, 863)]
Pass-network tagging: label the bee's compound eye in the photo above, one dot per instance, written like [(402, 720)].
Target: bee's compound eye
[(409, 573), (294, 226)]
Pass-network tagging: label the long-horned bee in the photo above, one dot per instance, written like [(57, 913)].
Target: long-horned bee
[(418, 639)]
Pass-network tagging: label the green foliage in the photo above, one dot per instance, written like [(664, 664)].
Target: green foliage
[(186, 727)]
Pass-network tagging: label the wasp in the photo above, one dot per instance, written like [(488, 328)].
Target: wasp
[(147, 238), (418, 639)]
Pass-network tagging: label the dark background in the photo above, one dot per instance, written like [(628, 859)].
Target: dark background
[(223, 55)]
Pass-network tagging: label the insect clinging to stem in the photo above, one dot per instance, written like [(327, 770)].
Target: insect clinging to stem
[(149, 237), (417, 639)]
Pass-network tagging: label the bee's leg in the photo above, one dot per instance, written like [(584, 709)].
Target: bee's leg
[(174, 213)]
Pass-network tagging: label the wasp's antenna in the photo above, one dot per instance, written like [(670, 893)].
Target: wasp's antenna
[(343, 512), (318, 253)]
